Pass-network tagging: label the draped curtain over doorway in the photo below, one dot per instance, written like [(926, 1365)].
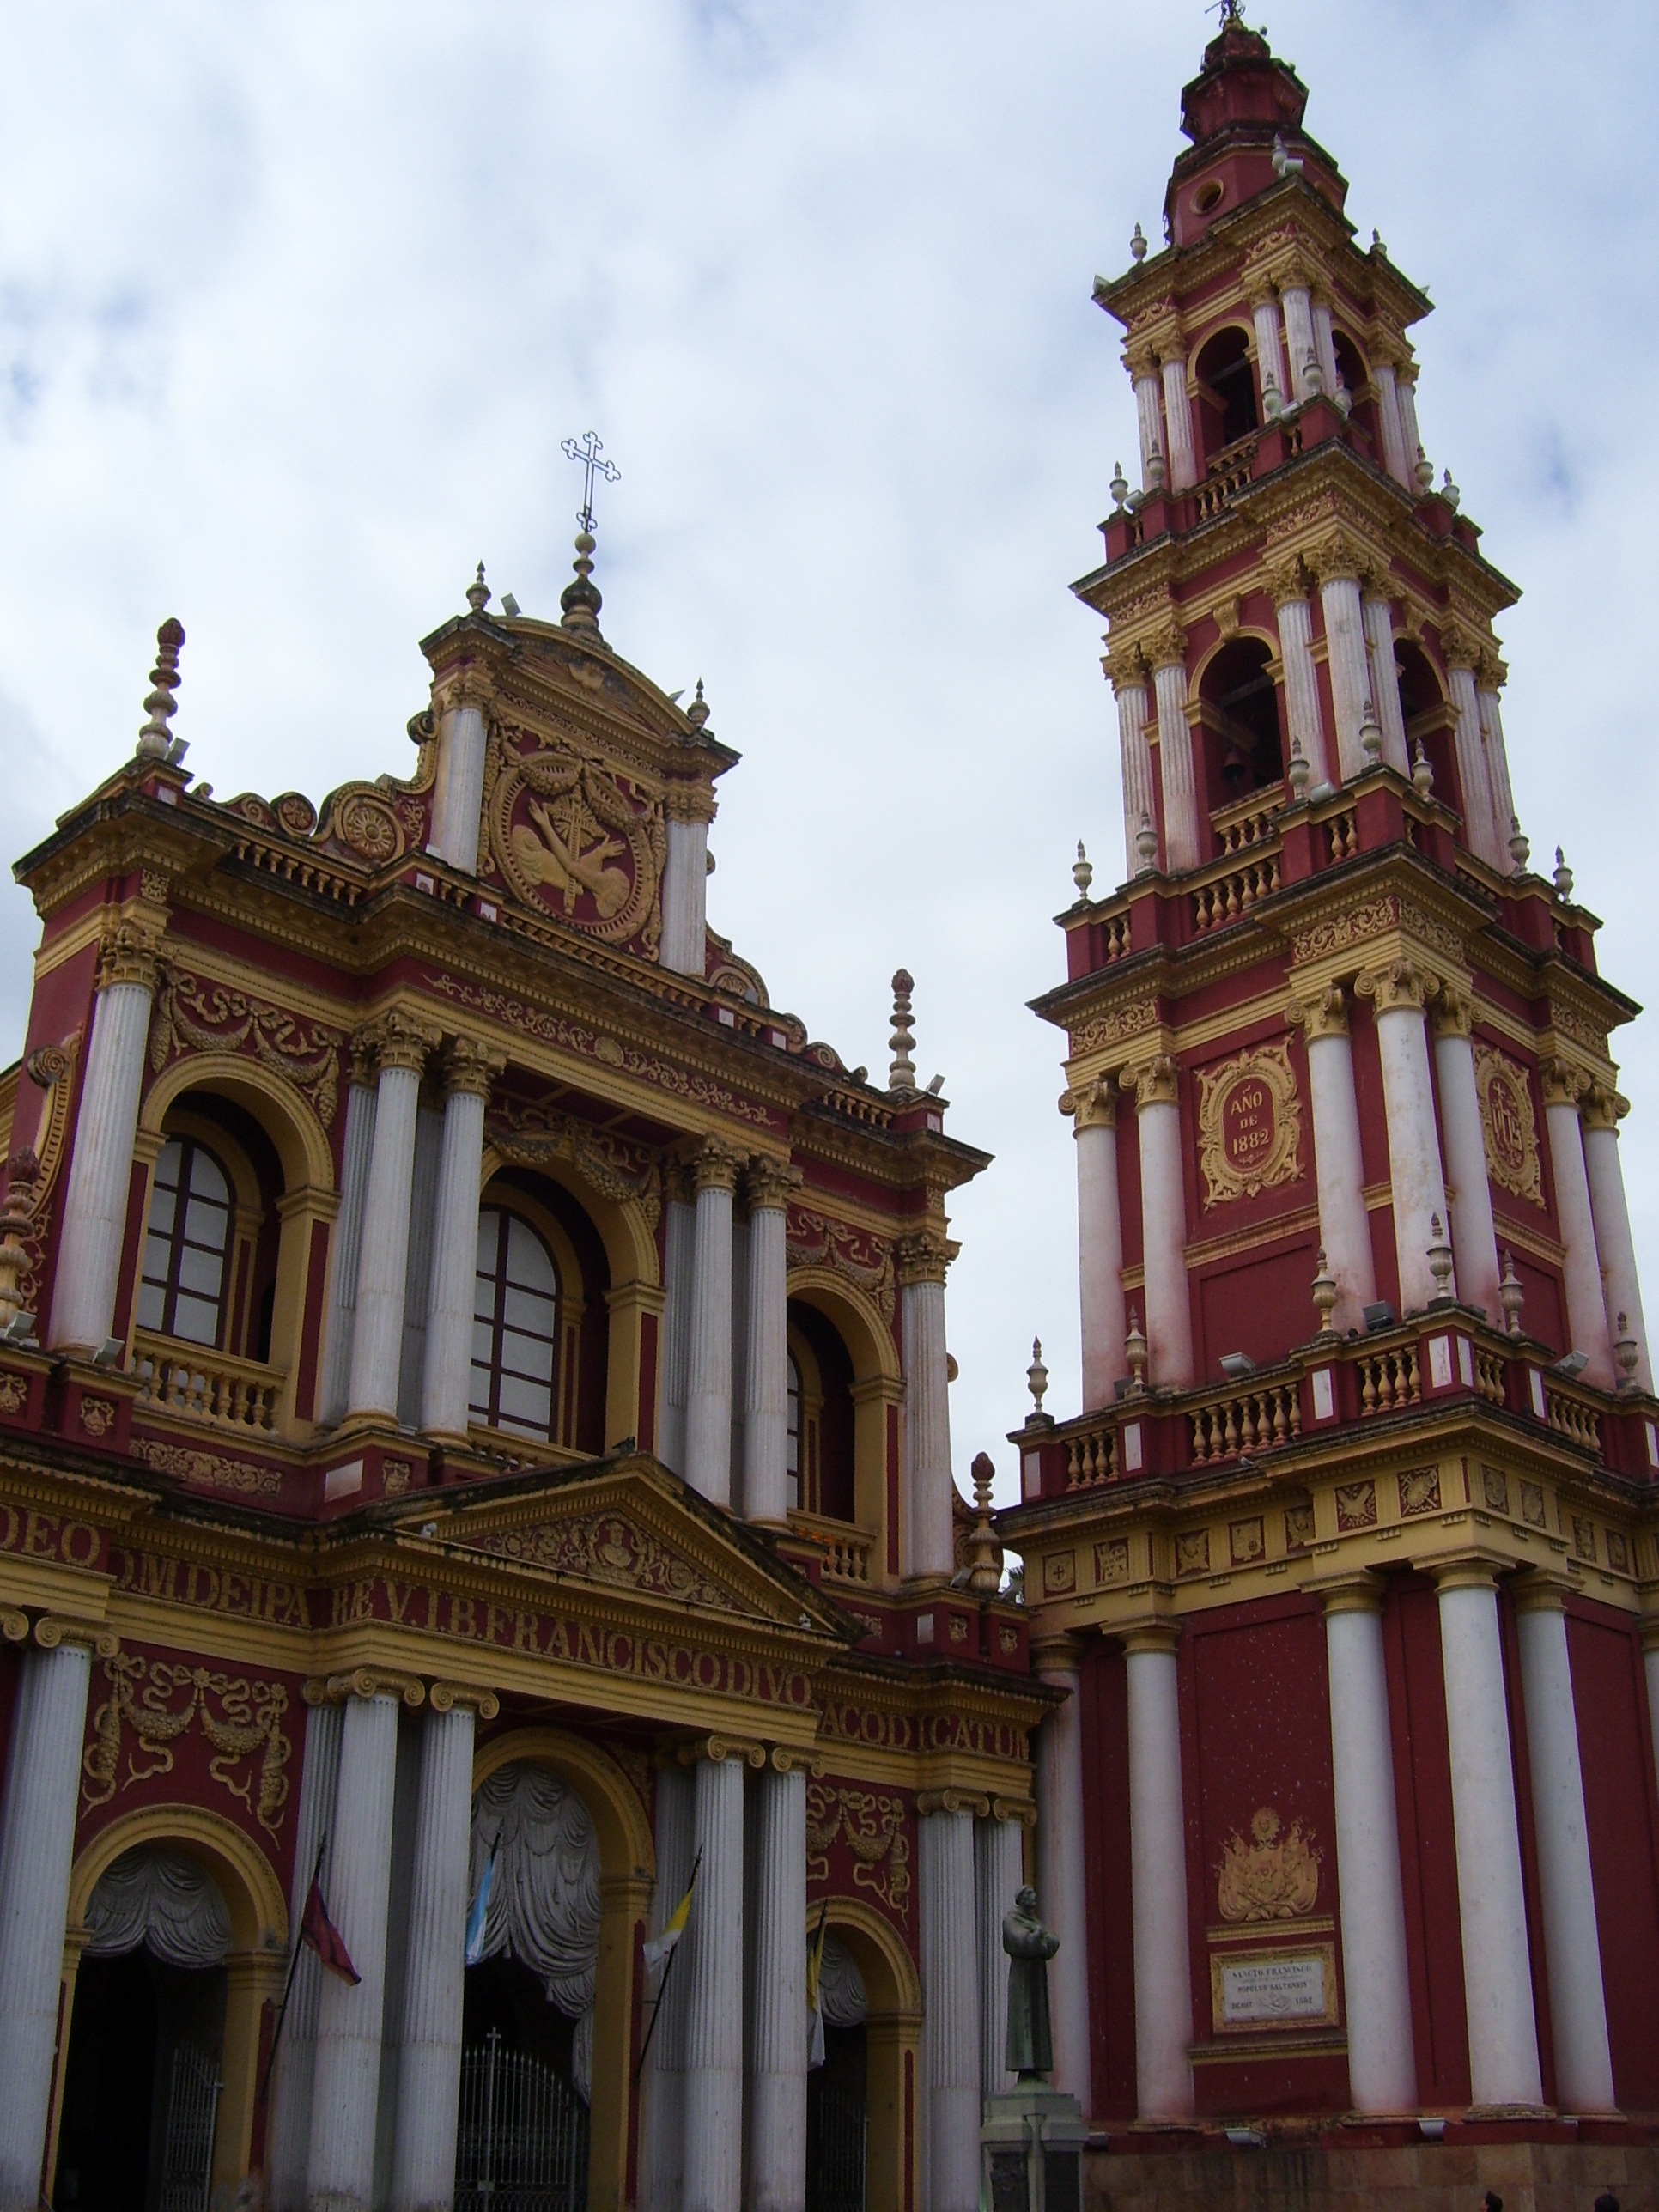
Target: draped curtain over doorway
[(166, 1903)]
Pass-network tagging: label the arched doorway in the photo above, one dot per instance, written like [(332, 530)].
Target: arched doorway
[(838, 2088), (875, 2047), (143, 2075)]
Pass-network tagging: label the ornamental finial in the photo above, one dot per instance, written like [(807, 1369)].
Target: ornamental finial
[(902, 1074), (477, 592), (154, 741), (1036, 1376), (1083, 871)]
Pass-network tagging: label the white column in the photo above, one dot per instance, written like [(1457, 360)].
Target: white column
[(1157, 1882), (1062, 1883), (1498, 758), (1396, 458), (1405, 394), (1490, 1899), (288, 2145), (1100, 1245), (458, 801), (1135, 747), (382, 1267), (663, 2120), (446, 1390), (430, 2069), (928, 1532), (1418, 1182), (1572, 1945), (100, 1157), (1164, 1225), (1302, 709), (1382, 683), (766, 1379), (1183, 843), (357, 1883), (1148, 415), (708, 1395), (1339, 1163), (1298, 335), (37, 1848), (1269, 352), (1178, 416), (1381, 2059), (685, 880), (348, 1245), (1581, 1265), (1611, 1217), (1489, 838), (1473, 1238), (950, 2002), (714, 1971), (999, 1874), (1325, 344), (1346, 657), (678, 1271), (777, 2081), (417, 1263)]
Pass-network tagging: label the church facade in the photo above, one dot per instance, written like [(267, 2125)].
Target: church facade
[(1348, 1562)]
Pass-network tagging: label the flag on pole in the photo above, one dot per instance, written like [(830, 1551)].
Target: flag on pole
[(814, 1976), (660, 1948), (323, 1937), (479, 1911)]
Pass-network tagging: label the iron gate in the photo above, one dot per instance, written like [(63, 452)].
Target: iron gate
[(522, 2142), (835, 2169), (193, 2086)]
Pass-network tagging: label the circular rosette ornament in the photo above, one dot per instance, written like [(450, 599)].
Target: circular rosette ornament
[(570, 841)]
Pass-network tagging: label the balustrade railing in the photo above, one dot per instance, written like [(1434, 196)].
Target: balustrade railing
[(846, 1550), (1388, 1380), (1091, 1457), (1248, 821), (198, 1385), (1225, 897), (1248, 1420), (1572, 1417)]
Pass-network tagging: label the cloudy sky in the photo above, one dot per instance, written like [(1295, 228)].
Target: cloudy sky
[(297, 301)]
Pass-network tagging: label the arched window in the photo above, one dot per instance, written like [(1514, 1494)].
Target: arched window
[(182, 1292), (516, 1326), (1239, 705), (1226, 392), (792, 1460), (1350, 366)]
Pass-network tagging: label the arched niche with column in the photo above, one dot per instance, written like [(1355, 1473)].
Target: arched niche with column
[(893, 2026), (877, 1387), (254, 1967), (1430, 719), (212, 1098), (627, 1875), (1238, 706), (1229, 404)]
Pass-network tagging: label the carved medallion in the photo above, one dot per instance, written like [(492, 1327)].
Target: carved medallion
[(1273, 1876), (1510, 1126), (571, 840), (1250, 1124)]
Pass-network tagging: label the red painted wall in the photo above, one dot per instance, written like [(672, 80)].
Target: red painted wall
[(1103, 1690)]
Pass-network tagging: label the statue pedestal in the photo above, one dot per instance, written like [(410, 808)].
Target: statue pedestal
[(1032, 2151)]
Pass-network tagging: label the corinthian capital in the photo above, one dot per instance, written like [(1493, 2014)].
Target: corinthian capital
[(1167, 648), (923, 1256), (1454, 1011), (471, 1065), (1603, 1107), (1094, 1106), (1286, 579), (1155, 1082), (1564, 1084), (1320, 1013), (1125, 666), (685, 801), (397, 1038), (1396, 984), (768, 1182), (1336, 556), (715, 1165), (129, 954)]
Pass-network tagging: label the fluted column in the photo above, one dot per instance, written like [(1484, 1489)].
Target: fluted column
[(347, 1244), (470, 1068), (88, 1262), (1062, 1870), (289, 2142), (1100, 1243), (1473, 1238), (1382, 682), (1572, 1946), (766, 1381), (1325, 343), (1491, 1896), (1298, 335), (1398, 992), (1337, 569), (1129, 683), (1149, 413), (950, 2001), (1404, 384), (1339, 1163), (663, 2120), (714, 1971), (929, 1531), (1581, 1263), (1158, 1880), (457, 798), (1183, 839), (37, 1846), (678, 1275), (357, 1880), (709, 1397), (1382, 2059), (1489, 676), (688, 808), (777, 2080), (1178, 419), (1599, 1118), (1397, 458), (1304, 722), (400, 1043), (999, 1874), (1164, 1222), (1489, 838), (1269, 352)]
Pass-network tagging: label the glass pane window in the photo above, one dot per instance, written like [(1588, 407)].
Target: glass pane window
[(182, 1290), (516, 1326), (792, 1447)]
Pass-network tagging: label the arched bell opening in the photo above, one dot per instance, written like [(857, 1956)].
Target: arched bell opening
[(1430, 720), (844, 1390), (1228, 408), (1239, 713), (1362, 394)]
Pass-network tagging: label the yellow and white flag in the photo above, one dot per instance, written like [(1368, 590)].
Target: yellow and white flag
[(814, 2006), (659, 1950)]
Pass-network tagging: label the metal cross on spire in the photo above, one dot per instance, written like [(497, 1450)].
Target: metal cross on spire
[(588, 450)]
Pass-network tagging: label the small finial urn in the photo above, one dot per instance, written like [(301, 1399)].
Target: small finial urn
[(1137, 244), (1118, 487), (1422, 772), (1448, 491), (1370, 735), (1626, 1352), (1155, 470), (902, 1074), (1324, 1295), (1424, 471), (1510, 1296), (580, 602), (1272, 400), (1313, 376), (154, 741), (697, 713), (985, 1554), (1134, 1351), (1563, 877), (1439, 1255), (1520, 845), (1036, 1376), (477, 592), (1083, 871), (1145, 846), (1299, 774)]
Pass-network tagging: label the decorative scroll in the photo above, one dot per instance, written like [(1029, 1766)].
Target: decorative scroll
[(1508, 1124), (604, 1547), (33, 1172), (1250, 1124), (1272, 1877), (626, 1174), (571, 841), (240, 1717), (207, 1470), (872, 1826), (815, 1241), (196, 1014)]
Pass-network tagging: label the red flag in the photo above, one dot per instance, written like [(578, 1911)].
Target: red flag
[(323, 1937)]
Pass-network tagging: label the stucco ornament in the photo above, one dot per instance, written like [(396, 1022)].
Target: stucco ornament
[(1250, 1124), (570, 839), (1274, 1876), (1508, 1124)]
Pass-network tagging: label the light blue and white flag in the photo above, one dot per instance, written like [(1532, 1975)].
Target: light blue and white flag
[(480, 1912)]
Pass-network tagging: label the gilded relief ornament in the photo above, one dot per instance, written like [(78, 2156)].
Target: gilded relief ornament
[(871, 1823), (1250, 1124), (1508, 1123), (571, 841), (1274, 1876), (240, 1716)]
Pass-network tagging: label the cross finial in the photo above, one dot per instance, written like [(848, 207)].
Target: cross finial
[(588, 449)]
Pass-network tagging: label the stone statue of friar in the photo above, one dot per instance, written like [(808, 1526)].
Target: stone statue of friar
[(1030, 2052)]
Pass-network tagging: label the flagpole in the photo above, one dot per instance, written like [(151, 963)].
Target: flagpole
[(287, 1986), (662, 1986)]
